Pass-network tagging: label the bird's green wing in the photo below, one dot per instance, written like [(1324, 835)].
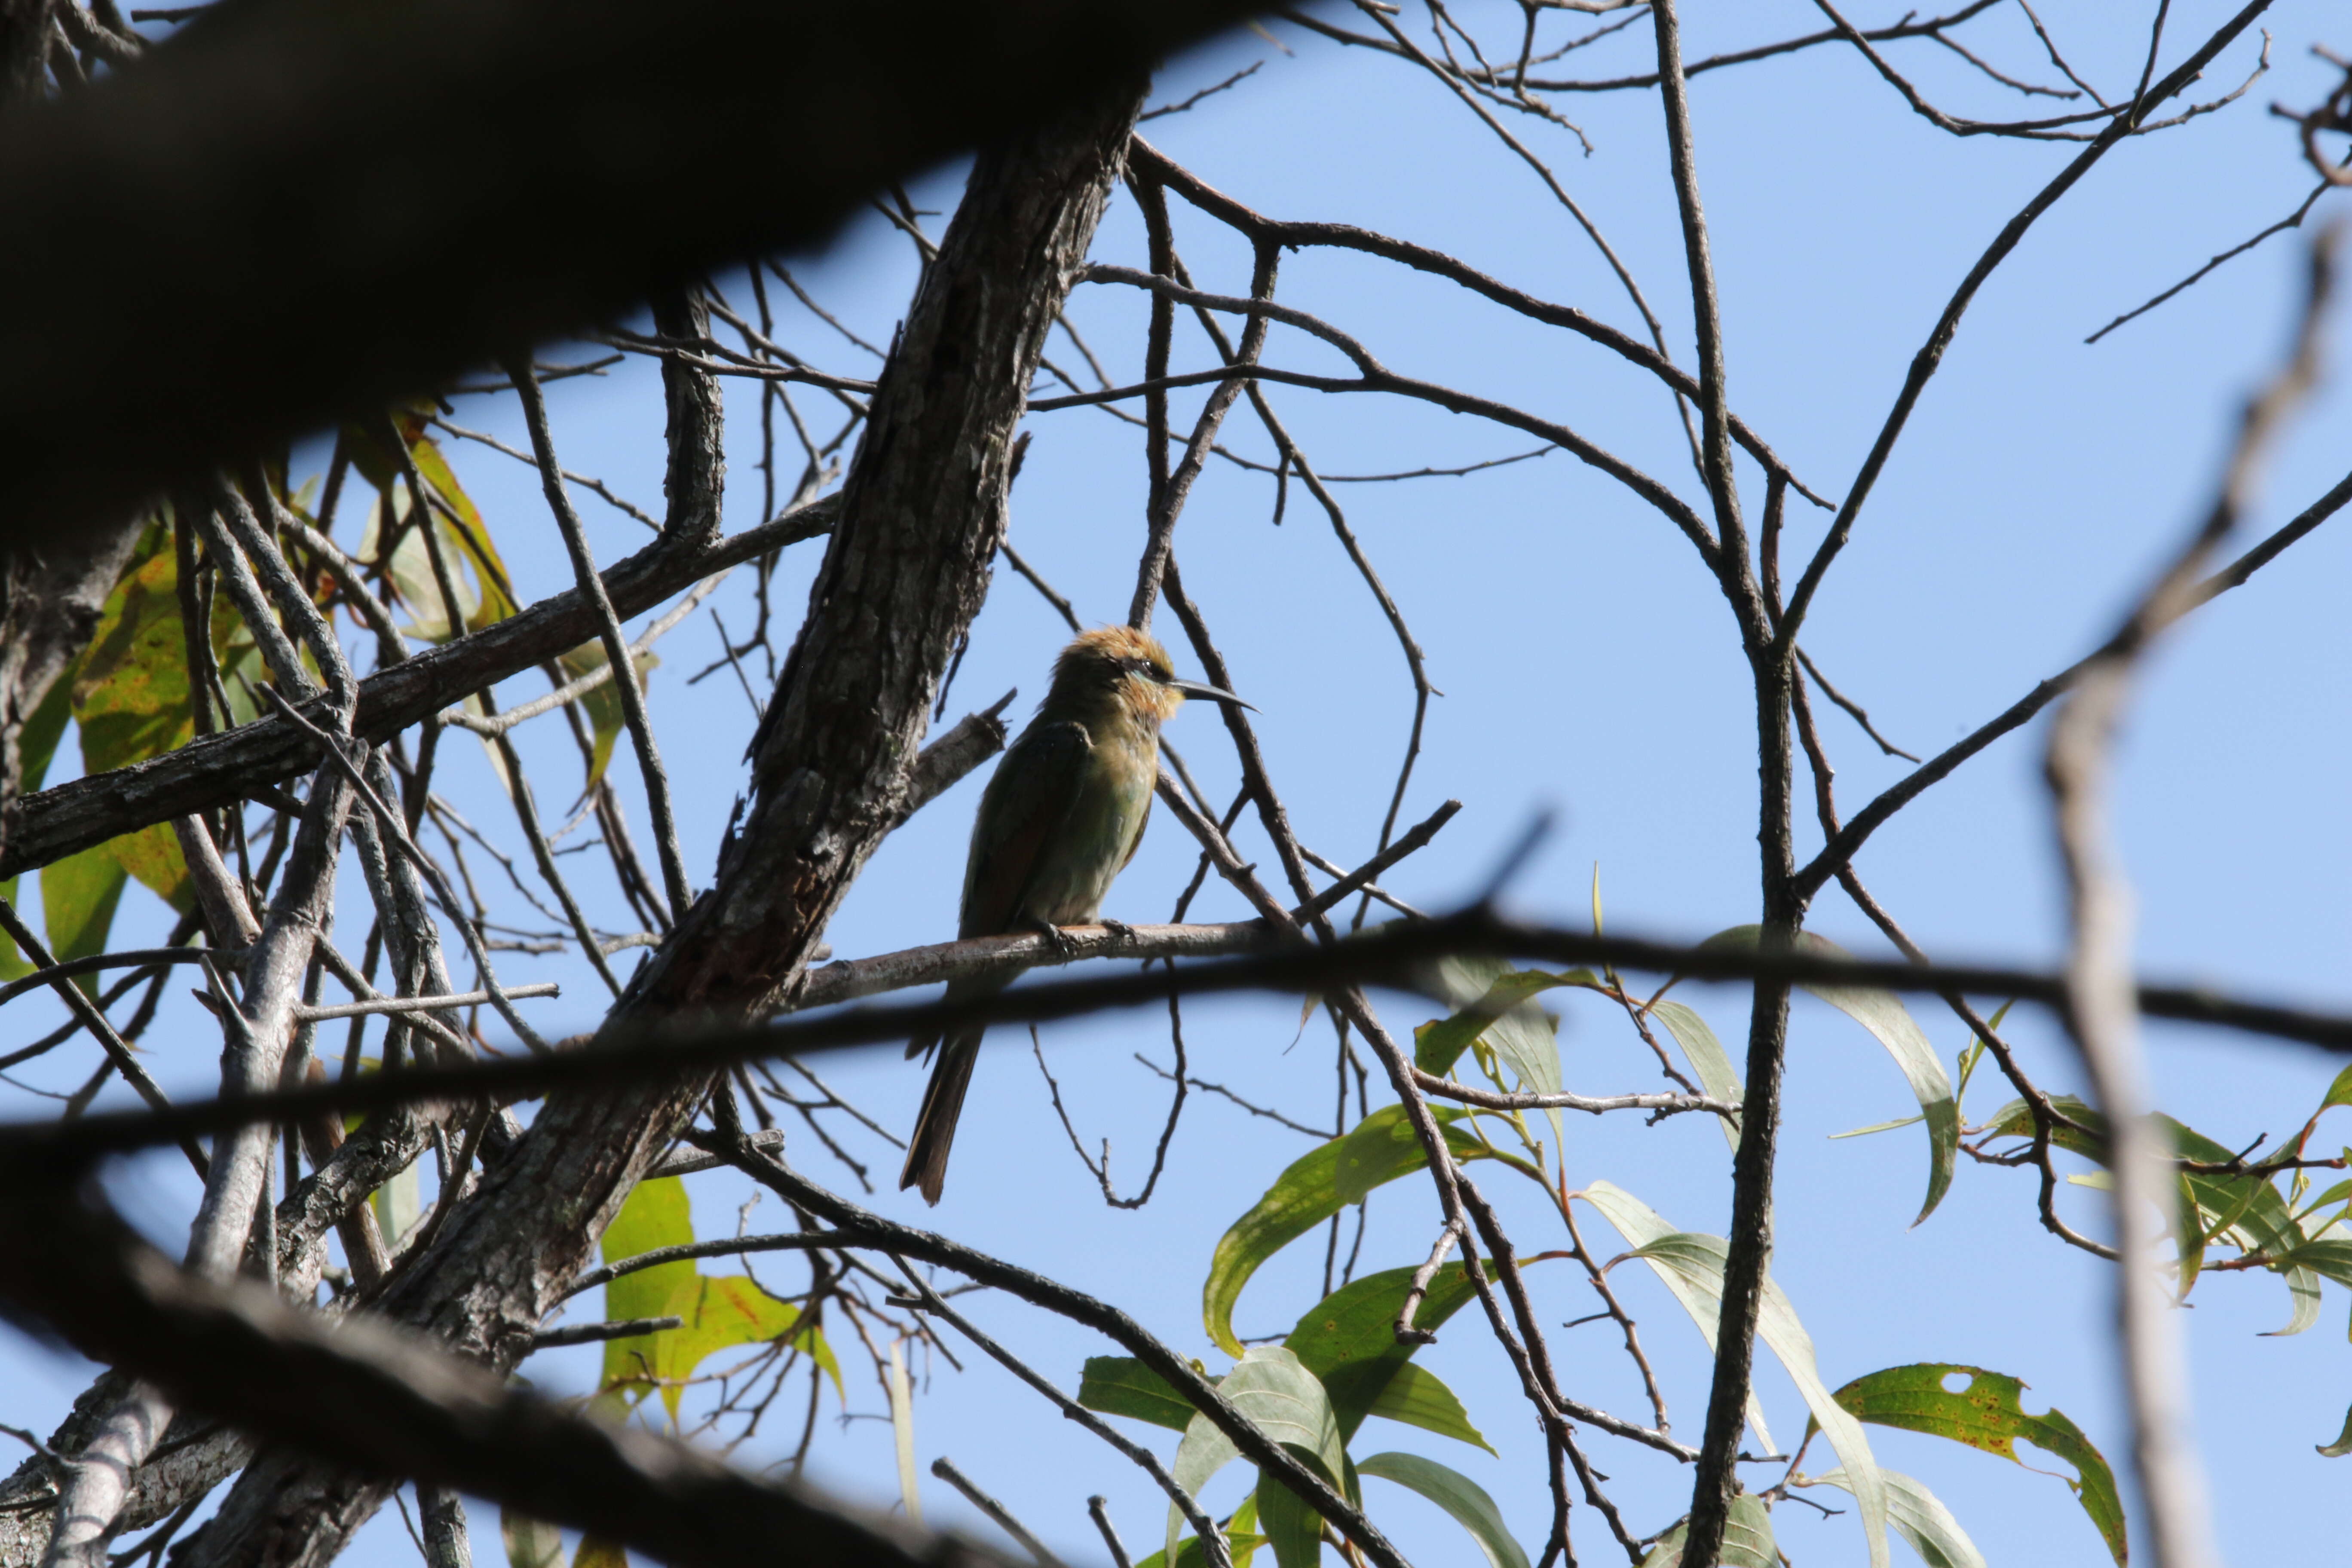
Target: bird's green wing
[(1024, 807)]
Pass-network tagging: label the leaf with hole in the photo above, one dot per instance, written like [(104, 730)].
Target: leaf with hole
[(1987, 1413)]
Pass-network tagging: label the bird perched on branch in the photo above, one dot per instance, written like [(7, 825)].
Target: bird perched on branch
[(1061, 817)]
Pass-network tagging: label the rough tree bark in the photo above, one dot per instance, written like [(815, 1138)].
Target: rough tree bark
[(908, 567)]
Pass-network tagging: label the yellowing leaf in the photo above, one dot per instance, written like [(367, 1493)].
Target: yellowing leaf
[(719, 1312), (530, 1542), (130, 702)]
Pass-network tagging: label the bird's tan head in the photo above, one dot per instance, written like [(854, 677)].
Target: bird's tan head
[(1122, 666)]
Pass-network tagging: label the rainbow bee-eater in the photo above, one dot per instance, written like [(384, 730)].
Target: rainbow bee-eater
[(1061, 817)]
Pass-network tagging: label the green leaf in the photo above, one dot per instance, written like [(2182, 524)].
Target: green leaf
[(1640, 1225), (473, 536), (605, 717), (1458, 1495), (1698, 1261), (1493, 1002), (1349, 1339), (723, 1312), (1919, 1517), (902, 1432), (129, 698), (2338, 1092), (78, 898), (1883, 1014), (1708, 1059), (530, 1542), (1419, 1397), (720, 1311), (1282, 1399), (2246, 1211), (1490, 999), (1318, 1185), (399, 1204), (597, 1552), (35, 744), (655, 1215), (2343, 1444), (130, 689), (1292, 1529), (1122, 1385), (1746, 1540), (1987, 1415), (1241, 1540)]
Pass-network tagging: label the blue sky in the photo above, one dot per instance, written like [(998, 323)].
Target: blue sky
[(1589, 667)]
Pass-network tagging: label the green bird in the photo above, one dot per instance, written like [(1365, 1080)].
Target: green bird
[(1060, 818)]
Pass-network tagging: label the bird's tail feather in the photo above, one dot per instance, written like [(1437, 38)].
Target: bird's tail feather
[(935, 1125)]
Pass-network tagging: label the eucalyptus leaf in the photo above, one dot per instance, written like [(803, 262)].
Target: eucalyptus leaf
[(2343, 1444), (1349, 1339), (1458, 1495), (1122, 1385), (1698, 1261), (529, 1542), (1747, 1539), (1640, 1225), (1313, 1188), (1919, 1517), (1282, 1399), (1987, 1413), (1708, 1059), (1494, 1003), (1419, 1397), (1883, 1014)]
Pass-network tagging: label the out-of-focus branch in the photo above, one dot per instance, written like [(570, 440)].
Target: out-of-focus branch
[(1387, 956), (2100, 1010), (756, 125)]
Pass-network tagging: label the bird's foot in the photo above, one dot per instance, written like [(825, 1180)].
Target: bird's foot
[(1120, 929), (1065, 947)]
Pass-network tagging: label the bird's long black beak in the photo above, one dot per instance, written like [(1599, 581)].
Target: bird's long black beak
[(1215, 694)]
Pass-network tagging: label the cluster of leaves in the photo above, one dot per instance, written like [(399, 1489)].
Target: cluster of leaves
[(1340, 1364), (1342, 1361), (132, 695)]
